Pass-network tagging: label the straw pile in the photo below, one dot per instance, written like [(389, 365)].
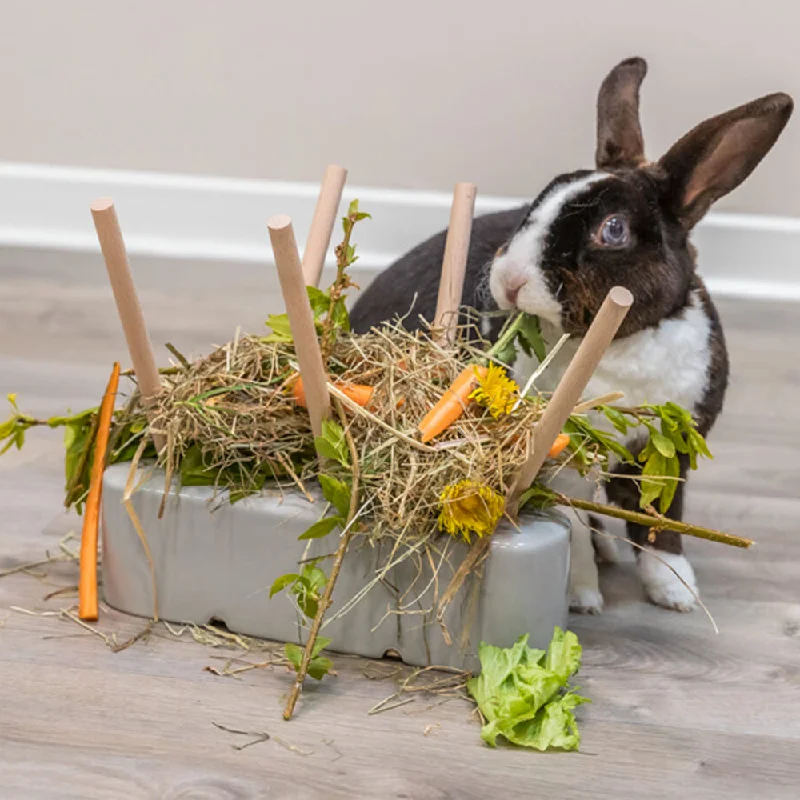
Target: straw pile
[(232, 417)]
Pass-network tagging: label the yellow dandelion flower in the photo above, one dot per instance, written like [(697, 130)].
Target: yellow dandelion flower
[(469, 507), (496, 391)]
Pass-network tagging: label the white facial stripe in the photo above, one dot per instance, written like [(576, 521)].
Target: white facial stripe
[(523, 259)]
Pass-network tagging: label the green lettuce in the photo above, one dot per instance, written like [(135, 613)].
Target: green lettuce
[(523, 695)]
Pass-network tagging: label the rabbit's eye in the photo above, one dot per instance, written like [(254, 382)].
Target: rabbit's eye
[(614, 232)]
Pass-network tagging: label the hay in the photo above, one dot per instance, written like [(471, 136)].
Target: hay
[(230, 420), (231, 415)]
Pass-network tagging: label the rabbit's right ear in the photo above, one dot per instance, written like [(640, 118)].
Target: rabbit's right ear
[(619, 134), (718, 154)]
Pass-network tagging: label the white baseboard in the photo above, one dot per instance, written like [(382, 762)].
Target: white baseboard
[(185, 218)]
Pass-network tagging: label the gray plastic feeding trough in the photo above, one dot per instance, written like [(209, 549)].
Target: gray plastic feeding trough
[(217, 561)]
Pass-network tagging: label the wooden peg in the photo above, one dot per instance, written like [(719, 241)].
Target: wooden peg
[(570, 388), (319, 235), (454, 264), (301, 320), (115, 256)]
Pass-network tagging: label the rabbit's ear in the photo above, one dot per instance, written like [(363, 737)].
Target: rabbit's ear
[(619, 134), (717, 155)]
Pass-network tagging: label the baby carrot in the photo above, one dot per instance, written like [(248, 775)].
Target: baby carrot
[(87, 570), (452, 403), (357, 392), (562, 440)]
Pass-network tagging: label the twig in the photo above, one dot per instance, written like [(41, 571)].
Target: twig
[(383, 705), (655, 522), (118, 647), (327, 595), (32, 565), (603, 400), (182, 360), (259, 737)]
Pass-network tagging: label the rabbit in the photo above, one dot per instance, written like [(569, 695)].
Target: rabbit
[(625, 222)]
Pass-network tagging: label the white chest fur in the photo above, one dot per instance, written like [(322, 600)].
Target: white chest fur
[(668, 363)]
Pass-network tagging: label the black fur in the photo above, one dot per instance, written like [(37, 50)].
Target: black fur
[(409, 288)]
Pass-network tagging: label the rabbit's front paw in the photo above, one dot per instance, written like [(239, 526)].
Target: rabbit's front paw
[(663, 586), (585, 600)]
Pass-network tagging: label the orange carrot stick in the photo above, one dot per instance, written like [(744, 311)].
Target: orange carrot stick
[(357, 392), (452, 403), (87, 582), (562, 440)]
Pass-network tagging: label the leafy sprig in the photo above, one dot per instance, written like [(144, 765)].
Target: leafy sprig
[(671, 434), (308, 585), (329, 307)]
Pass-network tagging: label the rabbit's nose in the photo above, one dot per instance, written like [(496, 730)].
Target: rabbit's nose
[(513, 289)]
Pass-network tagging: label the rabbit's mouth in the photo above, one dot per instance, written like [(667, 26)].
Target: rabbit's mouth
[(522, 289)]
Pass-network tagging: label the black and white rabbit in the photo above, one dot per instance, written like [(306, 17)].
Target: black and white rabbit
[(626, 222)]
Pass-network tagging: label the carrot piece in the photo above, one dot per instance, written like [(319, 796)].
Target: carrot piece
[(87, 582), (452, 403), (299, 393), (562, 440), (357, 392)]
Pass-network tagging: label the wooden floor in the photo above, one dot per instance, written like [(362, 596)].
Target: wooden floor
[(677, 710)]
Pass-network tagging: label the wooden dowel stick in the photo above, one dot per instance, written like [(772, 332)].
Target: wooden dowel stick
[(115, 256), (319, 234), (301, 320), (454, 264), (599, 336)]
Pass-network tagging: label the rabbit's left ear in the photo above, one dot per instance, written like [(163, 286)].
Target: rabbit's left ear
[(619, 134), (716, 156)]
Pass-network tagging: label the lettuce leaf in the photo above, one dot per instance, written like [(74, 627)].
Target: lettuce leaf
[(523, 695)]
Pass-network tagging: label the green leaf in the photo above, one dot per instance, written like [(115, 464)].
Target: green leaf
[(530, 337), (616, 418), (337, 493), (579, 425), (679, 442), (320, 644), (341, 316), (507, 354), (563, 655), (295, 654), (281, 330), (314, 577), (57, 422), (673, 470), (664, 446), (320, 301), (698, 443), (538, 496), (321, 528), (282, 583), (651, 489), (332, 443), (319, 667), (326, 449), (522, 693), (76, 435)]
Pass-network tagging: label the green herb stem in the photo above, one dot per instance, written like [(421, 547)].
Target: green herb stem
[(654, 522), (327, 595), (506, 336)]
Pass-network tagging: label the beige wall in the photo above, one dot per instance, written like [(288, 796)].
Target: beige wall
[(405, 94)]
